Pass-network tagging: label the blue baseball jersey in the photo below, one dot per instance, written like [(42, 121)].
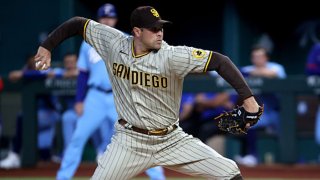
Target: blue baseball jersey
[(90, 61), (313, 61)]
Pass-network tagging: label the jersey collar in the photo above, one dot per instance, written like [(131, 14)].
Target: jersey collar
[(133, 54)]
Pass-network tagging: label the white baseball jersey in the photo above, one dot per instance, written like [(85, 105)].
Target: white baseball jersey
[(147, 88), (147, 91)]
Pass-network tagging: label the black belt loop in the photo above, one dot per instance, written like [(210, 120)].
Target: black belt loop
[(100, 89)]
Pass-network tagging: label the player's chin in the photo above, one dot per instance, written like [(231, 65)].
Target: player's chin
[(157, 46)]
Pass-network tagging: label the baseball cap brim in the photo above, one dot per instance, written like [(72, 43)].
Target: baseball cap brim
[(158, 23)]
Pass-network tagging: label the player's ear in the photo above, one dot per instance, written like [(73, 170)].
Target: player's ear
[(136, 31)]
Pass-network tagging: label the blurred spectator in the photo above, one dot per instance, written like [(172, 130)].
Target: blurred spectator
[(313, 69), (262, 66), (47, 114), (269, 122), (69, 69)]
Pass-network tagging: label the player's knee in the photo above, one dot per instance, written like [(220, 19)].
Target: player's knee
[(233, 170), (230, 169)]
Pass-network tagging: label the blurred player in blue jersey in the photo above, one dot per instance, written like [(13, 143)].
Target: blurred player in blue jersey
[(95, 108)]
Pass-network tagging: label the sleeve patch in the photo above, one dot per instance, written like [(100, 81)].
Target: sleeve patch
[(198, 53)]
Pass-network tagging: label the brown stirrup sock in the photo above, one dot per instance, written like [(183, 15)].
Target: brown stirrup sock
[(237, 177)]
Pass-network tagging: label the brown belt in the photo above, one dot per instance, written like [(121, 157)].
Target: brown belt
[(156, 132)]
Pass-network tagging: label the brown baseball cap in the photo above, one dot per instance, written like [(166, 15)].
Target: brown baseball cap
[(146, 17)]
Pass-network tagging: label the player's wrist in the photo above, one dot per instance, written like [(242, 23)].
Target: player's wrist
[(251, 105)]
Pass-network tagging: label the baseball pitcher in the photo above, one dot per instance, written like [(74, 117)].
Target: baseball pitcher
[(147, 78)]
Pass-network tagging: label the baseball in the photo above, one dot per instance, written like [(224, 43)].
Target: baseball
[(38, 64)]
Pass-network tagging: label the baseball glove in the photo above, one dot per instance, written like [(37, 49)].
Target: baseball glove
[(235, 121)]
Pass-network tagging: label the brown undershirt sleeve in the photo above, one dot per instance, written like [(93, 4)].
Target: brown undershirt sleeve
[(72, 27), (228, 71)]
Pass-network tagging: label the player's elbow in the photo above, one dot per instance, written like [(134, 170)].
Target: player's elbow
[(218, 60)]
